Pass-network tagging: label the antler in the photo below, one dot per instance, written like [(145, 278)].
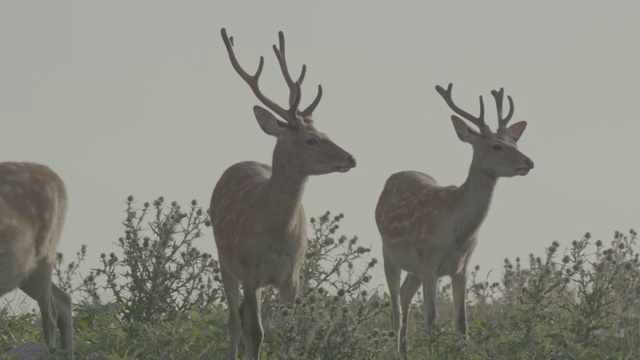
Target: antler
[(502, 122), (295, 93), (478, 121), (289, 115), (287, 77)]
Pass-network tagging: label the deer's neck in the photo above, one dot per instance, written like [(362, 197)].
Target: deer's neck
[(284, 190), (475, 194)]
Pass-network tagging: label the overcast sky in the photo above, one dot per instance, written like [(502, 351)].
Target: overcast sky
[(139, 98)]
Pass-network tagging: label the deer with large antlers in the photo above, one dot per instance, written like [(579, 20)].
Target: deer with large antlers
[(430, 231), (33, 205), (256, 212)]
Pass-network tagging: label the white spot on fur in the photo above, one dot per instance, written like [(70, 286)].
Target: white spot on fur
[(9, 222)]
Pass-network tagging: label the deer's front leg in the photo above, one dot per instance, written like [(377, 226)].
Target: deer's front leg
[(459, 289), (289, 291), (430, 289), (251, 322), (231, 290)]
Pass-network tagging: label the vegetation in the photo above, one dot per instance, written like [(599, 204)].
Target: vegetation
[(159, 297)]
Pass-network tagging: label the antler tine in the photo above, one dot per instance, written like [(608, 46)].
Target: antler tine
[(252, 80), (309, 110), (478, 121), (502, 122), (282, 60)]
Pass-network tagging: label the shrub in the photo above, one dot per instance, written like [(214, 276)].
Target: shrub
[(336, 316), (583, 303), (161, 273), (159, 298)]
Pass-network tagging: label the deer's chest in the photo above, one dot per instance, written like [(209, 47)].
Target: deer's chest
[(454, 256), (453, 244), (281, 254)]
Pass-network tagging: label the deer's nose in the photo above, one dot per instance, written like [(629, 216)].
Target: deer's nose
[(529, 163), (352, 161)]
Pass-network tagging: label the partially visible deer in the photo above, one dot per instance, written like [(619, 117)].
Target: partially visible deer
[(430, 231), (258, 221), (33, 206)]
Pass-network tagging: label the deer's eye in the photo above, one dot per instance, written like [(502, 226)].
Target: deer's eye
[(312, 141), (497, 147)]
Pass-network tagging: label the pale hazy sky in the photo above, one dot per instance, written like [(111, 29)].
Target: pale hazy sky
[(125, 97)]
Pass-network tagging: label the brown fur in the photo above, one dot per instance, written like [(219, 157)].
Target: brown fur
[(258, 221), (431, 231), (33, 205)]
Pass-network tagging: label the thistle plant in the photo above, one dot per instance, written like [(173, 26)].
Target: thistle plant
[(607, 284), (161, 272), (336, 316), (66, 274), (575, 301)]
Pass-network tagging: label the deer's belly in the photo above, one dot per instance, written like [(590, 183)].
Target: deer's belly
[(417, 261), (276, 269)]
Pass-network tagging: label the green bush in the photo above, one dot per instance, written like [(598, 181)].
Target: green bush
[(582, 304), (157, 297), (335, 316), (161, 273)]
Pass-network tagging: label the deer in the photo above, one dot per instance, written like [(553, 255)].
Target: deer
[(430, 231), (33, 205), (258, 221)]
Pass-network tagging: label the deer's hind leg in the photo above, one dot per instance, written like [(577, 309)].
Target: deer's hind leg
[(38, 286), (408, 290), (62, 302), (392, 272)]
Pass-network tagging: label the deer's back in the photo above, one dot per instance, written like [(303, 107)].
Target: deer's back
[(412, 208), (403, 206), (234, 201), (418, 224)]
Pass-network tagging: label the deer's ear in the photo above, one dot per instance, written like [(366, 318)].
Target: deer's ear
[(515, 131), (465, 133), (269, 124)]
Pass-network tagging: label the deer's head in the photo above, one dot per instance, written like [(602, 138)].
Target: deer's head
[(495, 152), (300, 146)]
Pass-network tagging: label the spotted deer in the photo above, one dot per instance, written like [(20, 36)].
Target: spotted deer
[(430, 231), (256, 212), (33, 205)]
